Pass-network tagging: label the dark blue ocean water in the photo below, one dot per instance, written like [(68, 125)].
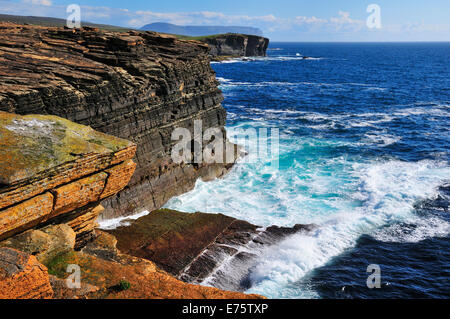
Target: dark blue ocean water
[(364, 154)]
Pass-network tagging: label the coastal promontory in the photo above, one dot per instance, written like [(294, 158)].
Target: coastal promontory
[(134, 85)]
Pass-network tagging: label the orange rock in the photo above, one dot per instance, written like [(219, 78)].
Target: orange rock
[(54, 171), (84, 225), (119, 176), (79, 193), (45, 243), (25, 215), (86, 222), (41, 152), (61, 291), (103, 266), (22, 276)]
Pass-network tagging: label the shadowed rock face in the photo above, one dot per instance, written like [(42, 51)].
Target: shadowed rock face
[(237, 45), (136, 85)]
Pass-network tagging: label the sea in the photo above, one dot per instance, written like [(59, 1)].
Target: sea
[(364, 140)]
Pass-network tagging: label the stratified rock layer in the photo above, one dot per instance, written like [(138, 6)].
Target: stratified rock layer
[(22, 276), (103, 267), (45, 243), (236, 45), (195, 246), (135, 85), (56, 171)]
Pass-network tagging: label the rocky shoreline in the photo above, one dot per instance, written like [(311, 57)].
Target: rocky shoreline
[(86, 118), (193, 246), (136, 85)]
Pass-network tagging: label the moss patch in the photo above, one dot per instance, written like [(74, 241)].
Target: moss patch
[(34, 143)]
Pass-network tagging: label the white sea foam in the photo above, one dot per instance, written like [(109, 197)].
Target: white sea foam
[(382, 138), (388, 191), (417, 229), (346, 199), (120, 221)]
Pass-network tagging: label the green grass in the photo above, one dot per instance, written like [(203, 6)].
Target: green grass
[(123, 285), (58, 265)]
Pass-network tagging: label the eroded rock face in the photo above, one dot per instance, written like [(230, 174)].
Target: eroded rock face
[(55, 171), (237, 45), (135, 85), (22, 276)]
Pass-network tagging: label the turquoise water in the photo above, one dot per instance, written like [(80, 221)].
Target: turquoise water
[(364, 138)]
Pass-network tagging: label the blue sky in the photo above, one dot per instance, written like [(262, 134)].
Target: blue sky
[(280, 20)]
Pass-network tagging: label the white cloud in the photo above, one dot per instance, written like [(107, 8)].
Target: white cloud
[(141, 18), (39, 2), (339, 27)]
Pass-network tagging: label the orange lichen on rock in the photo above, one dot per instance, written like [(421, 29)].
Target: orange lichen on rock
[(53, 168), (103, 266), (78, 193), (25, 215), (22, 276), (119, 176)]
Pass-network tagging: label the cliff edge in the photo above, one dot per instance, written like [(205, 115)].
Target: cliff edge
[(53, 175), (138, 86), (236, 45)]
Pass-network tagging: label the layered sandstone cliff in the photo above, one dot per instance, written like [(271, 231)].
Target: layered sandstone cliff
[(236, 45), (54, 174), (135, 85), (56, 171)]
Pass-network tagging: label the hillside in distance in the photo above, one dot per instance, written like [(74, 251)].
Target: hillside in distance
[(196, 31)]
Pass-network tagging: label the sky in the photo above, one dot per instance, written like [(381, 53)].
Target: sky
[(280, 20)]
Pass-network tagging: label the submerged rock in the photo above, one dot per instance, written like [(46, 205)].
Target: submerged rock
[(195, 246)]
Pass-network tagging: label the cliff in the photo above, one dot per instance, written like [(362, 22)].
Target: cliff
[(57, 176), (54, 173), (54, 170), (135, 85), (236, 45)]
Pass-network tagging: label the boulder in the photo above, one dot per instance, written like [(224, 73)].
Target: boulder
[(56, 171), (22, 276), (45, 243)]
